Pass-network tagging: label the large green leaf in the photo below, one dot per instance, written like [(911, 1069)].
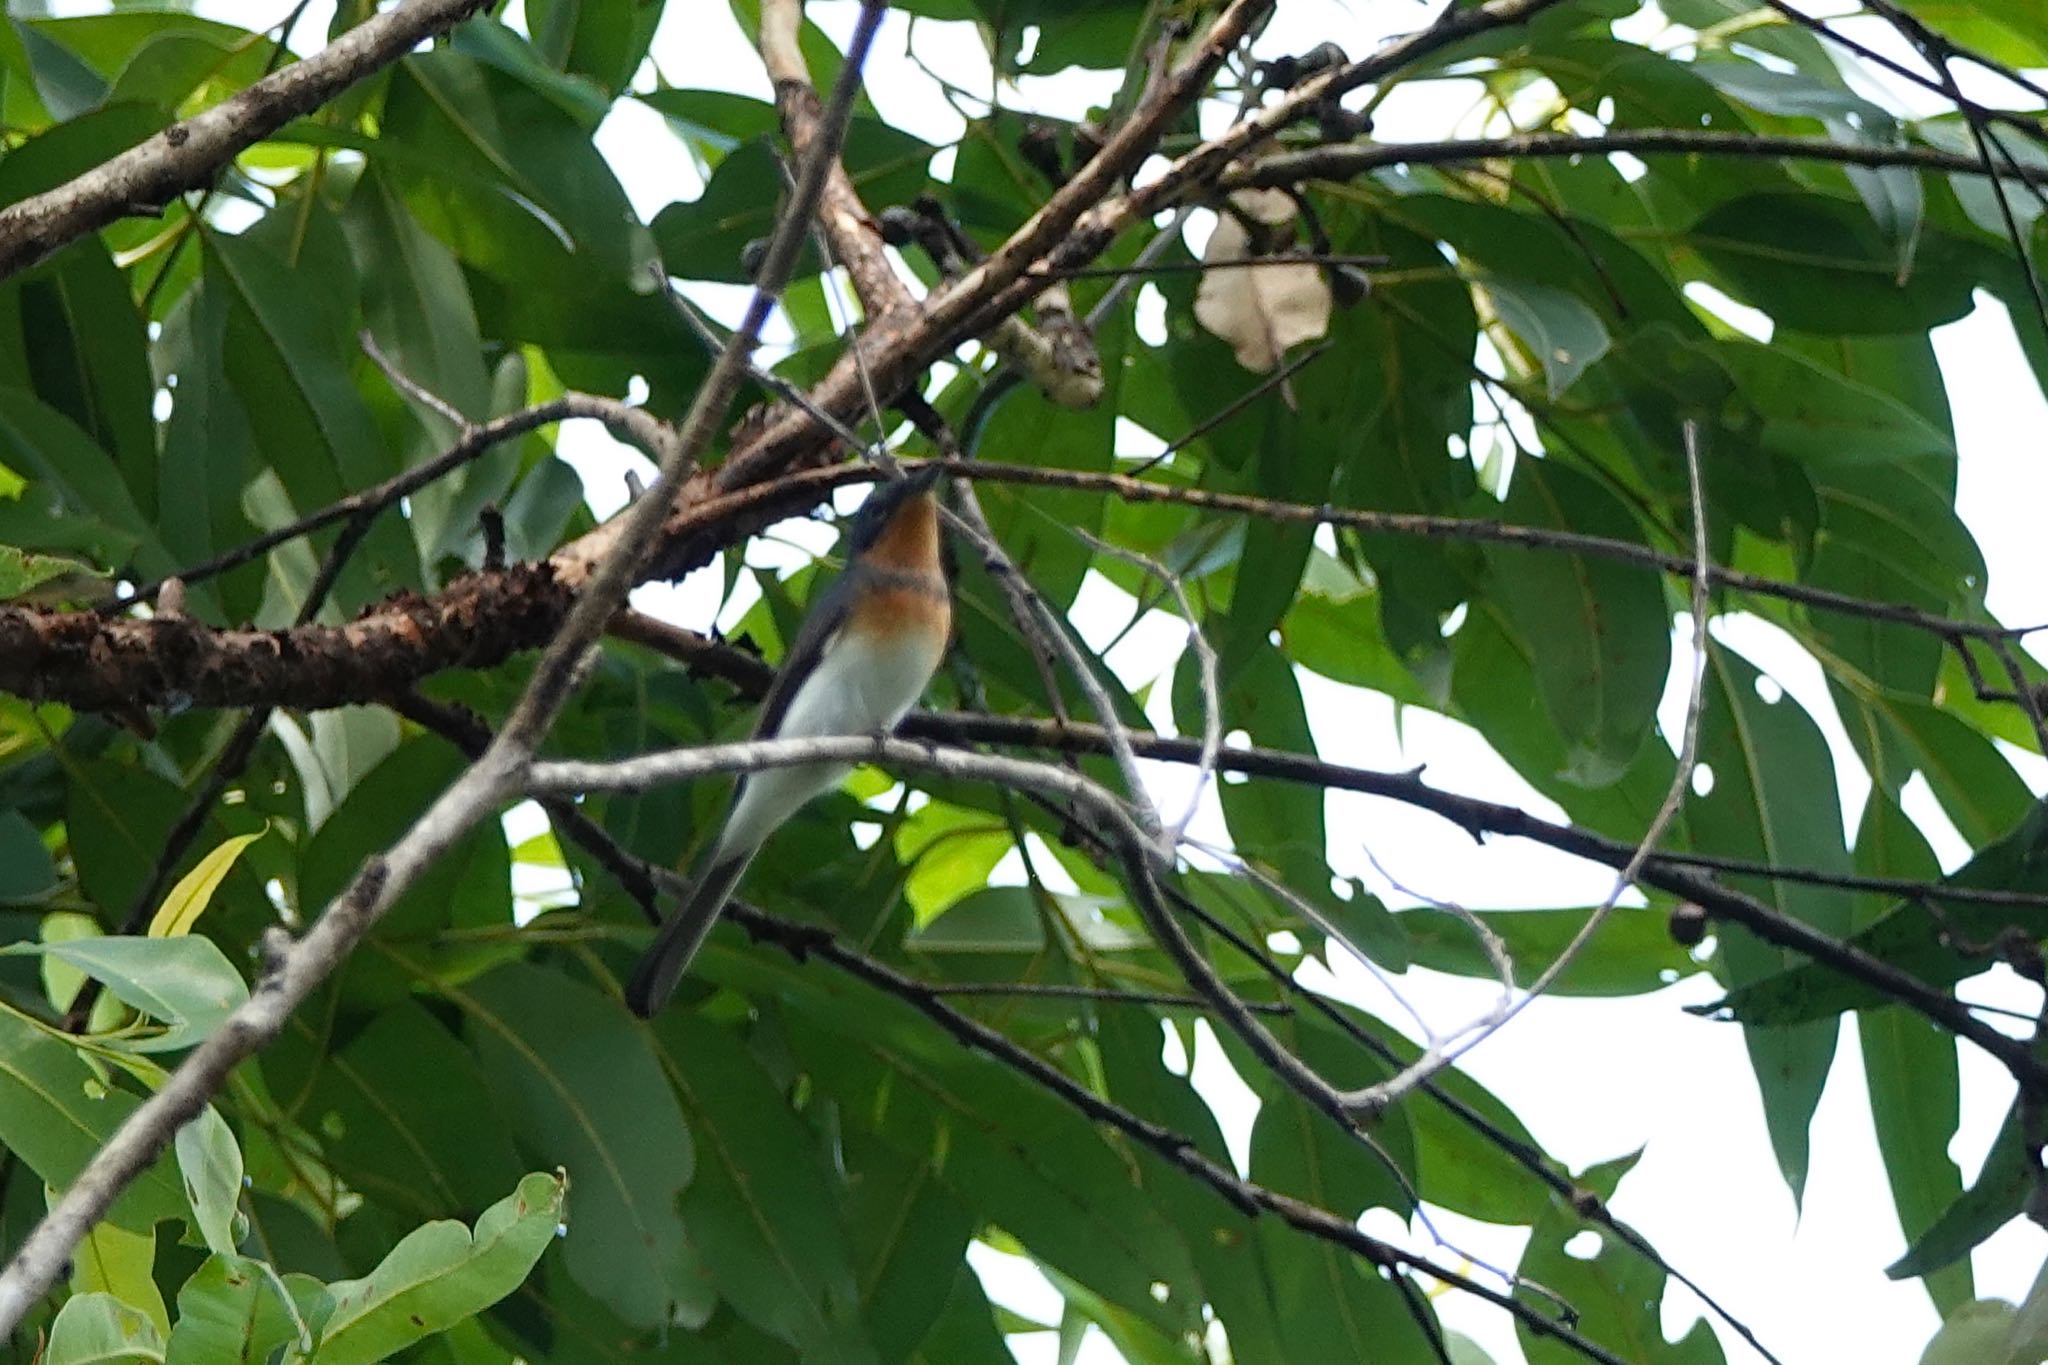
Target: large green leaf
[(76, 499), (441, 1274), (2001, 1189), (1631, 955), (581, 1087), (286, 354), (1598, 632), (1772, 798), (1908, 937), (99, 1329), (89, 359), (1220, 1237), (603, 40), (1820, 265), (232, 1311), (907, 1232), (185, 983), (397, 1104), (507, 178), (1615, 1293), (1015, 1156), (760, 1210), (1910, 1067), (56, 1112)]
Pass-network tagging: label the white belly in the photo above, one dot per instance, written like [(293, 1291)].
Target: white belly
[(861, 686)]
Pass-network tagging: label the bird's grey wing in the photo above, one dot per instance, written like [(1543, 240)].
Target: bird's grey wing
[(821, 623)]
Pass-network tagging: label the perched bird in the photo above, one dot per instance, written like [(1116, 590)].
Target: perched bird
[(861, 659)]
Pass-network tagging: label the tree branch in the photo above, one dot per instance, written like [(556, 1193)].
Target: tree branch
[(1176, 1149), (1344, 161), (185, 156)]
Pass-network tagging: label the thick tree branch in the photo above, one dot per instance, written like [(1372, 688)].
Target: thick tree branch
[(185, 156), (855, 239), (893, 351)]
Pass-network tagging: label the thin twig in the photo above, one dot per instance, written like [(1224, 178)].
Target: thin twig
[(1211, 689), (1047, 990), (1435, 1059), (1344, 161), (475, 441)]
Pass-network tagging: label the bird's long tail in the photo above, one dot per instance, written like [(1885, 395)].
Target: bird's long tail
[(664, 963)]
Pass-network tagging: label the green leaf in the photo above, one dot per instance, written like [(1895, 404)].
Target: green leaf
[(1017, 1157), (88, 358), (46, 580), (1599, 633), (1772, 798), (232, 1311), (56, 1112), (117, 817), (700, 239), (415, 301), (98, 1329), (441, 1274), (188, 900), (185, 983), (1910, 938), (1975, 1334), (1298, 1151), (1819, 265), (1910, 1067), (27, 872), (603, 40), (507, 178), (210, 1164), (1616, 1292), (1334, 1306), (1814, 414), (1279, 824), (579, 1084), (761, 1209), (71, 480), (1995, 1200), (284, 360), (1221, 1238), (1562, 334), (113, 1260), (397, 1104), (1633, 953), (906, 1232)]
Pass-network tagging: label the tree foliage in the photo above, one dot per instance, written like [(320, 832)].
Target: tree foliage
[(285, 526)]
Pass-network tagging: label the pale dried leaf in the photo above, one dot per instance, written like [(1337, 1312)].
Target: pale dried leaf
[(1260, 310)]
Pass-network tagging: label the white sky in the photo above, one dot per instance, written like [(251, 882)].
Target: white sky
[(1592, 1079)]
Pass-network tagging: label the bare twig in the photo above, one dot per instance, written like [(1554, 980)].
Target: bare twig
[(1436, 1058), (1205, 666), (474, 441), (1344, 161)]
